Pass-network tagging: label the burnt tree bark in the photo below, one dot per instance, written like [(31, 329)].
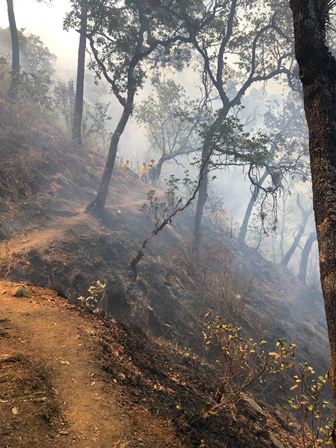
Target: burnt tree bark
[(318, 76), (250, 206), (79, 100), (15, 78), (305, 256)]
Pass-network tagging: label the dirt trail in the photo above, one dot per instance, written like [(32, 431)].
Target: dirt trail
[(39, 238), (57, 347)]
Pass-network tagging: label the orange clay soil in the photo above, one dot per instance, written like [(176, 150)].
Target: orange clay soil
[(53, 390)]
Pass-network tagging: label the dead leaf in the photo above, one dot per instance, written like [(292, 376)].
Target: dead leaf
[(40, 399), (7, 358)]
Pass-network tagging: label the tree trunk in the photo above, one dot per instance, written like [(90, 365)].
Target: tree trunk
[(201, 201), (15, 78), (318, 76), (78, 112), (204, 176), (287, 258), (159, 167), (249, 209), (160, 163), (305, 256), (283, 226), (96, 207)]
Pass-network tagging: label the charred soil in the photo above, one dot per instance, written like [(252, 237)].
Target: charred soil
[(71, 379), (68, 378)]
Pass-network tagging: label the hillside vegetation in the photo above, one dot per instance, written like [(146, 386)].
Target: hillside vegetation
[(128, 388), (48, 239)]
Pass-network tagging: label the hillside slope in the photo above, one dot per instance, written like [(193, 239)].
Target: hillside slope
[(68, 379), (65, 249)]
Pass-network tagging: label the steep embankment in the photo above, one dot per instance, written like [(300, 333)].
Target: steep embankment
[(69, 254), (53, 389), (68, 379), (47, 239), (174, 290)]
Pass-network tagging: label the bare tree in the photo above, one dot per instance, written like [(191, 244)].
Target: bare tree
[(305, 214), (284, 214), (305, 256), (79, 100), (15, 78), (175, 206), (318, 76), (250, 206)]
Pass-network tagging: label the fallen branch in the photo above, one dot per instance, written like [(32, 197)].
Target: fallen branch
[(168, 219)]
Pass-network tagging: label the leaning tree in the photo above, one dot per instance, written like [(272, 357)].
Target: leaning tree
[(305, 215), (318, 75), (306, 251), (122, 37)]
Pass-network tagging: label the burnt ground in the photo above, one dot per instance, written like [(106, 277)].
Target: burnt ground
[(53, 389), (174, 290), (68, 378), (47, 239)]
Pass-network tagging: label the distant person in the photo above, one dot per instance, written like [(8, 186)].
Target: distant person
[(125, 165), (153, 172), (143, 172)]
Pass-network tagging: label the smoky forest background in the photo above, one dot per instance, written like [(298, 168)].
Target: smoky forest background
[(167, 223)]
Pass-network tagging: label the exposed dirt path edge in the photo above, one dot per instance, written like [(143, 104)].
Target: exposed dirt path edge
[(64, 342)]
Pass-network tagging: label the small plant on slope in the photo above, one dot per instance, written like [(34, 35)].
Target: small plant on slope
[(308, 404), (246, 362), (96, 291)]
